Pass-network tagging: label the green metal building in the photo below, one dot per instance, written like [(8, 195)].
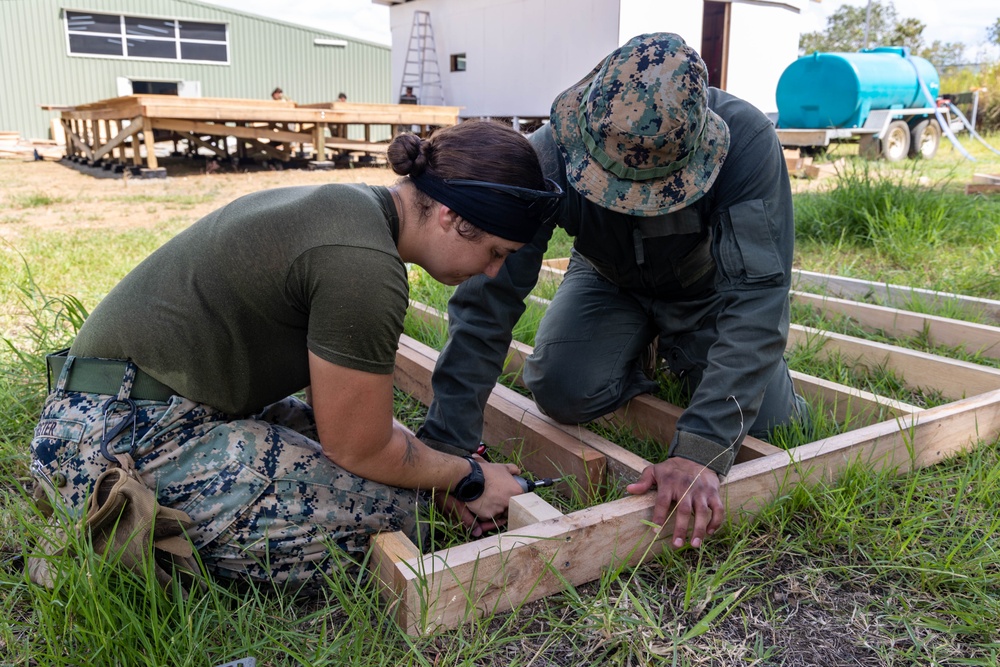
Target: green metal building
[(70, 52)]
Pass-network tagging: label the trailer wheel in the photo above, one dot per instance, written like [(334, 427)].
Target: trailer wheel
[(925, 137), (896, 142)]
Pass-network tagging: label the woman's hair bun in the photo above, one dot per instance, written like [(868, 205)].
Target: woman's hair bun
[(407, 155)]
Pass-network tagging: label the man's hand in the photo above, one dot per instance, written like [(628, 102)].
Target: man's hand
[(688, 487)]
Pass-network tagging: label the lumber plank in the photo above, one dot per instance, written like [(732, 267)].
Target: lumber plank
[(387, 551), (557, 264), (136, 150), (848, 404), (527, 509), (81, 144), (894, 295), (319, 140), (982, 189), (358, 146), (649, 417), (223, 130), (620, 461), (198, 141), (901, 445), (952, 377), (503, 572), (645, 416), (269, 150), (972, 337), (119, 138), (150, 141), (543, 449)]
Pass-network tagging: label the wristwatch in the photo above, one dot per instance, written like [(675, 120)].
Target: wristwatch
[(472, 485)]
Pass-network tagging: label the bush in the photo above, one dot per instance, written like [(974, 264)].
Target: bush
[(987, 79)]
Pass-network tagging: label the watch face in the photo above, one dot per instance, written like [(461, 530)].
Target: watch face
[(473, 484), (470, 490)]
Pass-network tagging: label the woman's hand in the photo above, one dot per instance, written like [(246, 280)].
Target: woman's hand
[(489, 511), (500, 487)]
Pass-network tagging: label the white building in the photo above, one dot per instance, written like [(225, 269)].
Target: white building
[(512, 57)]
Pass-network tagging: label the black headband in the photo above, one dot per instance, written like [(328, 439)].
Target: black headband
[(506, 211)]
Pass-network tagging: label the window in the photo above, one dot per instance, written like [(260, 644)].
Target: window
[(118, 36), (458, 62), (154, 87)]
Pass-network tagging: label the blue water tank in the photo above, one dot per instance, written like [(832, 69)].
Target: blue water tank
[(838, 90)]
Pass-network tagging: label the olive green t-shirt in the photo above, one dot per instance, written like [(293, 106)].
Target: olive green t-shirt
[(225, 311)]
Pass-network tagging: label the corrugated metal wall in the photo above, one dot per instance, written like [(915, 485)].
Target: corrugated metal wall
[(36, 69)]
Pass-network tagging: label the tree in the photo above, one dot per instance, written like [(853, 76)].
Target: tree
[(845, 31), (943, 54), (845, 28), (993, 32), (907, 32)]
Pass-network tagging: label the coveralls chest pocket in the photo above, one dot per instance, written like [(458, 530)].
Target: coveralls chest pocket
[(745, 246)]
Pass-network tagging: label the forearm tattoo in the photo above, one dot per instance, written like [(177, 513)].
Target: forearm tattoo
[(410, 455)]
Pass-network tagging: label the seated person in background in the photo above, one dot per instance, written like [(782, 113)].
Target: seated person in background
[(408, 97)]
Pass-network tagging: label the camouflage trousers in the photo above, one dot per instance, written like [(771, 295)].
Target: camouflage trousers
[(267, 504)]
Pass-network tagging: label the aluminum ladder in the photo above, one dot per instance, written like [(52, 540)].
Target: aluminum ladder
[(421, 71)]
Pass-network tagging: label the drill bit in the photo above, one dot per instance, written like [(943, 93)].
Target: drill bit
[(528, 485)]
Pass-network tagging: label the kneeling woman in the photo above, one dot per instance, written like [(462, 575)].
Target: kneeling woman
[(188, 364)]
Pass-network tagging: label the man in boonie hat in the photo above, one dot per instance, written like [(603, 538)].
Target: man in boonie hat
[(680, 205)]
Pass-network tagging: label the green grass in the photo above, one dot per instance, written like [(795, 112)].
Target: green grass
[(881, 227), (32, 200), (871, 569)]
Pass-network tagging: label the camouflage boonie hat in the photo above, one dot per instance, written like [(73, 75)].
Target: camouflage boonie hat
[(637, 133)]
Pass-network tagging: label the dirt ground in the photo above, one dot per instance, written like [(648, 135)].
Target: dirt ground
[(52, 194)]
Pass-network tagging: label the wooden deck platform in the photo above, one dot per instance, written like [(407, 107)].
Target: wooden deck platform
[(124, 130)]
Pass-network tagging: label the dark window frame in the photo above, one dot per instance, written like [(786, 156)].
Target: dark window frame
[(458, 62), (130, 29)]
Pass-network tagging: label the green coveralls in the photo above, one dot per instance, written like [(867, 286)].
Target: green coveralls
[(711, 280)]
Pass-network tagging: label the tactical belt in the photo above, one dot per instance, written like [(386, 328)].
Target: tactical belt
[(104, 376)]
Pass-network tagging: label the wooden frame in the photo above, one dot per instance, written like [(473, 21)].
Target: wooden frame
[(543, 551), (268, 126)]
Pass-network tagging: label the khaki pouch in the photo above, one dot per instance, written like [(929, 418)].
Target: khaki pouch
[(125, 521)]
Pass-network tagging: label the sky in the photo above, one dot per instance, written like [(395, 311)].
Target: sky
[(948, 21)]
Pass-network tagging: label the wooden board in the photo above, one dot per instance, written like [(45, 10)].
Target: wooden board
[(898, 296), (982, 189), (919, 370), (645, 416), (542, 448), (972, 337), (545, 551)]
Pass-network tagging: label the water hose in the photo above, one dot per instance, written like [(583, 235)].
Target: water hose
[(968, 126), (945, 126)]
